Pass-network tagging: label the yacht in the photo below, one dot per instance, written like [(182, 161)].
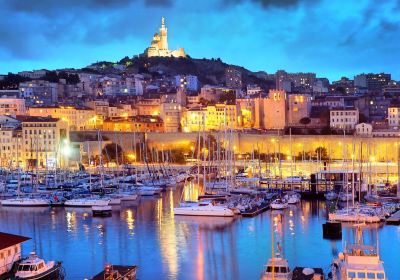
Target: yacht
[(25, 201), (279, 204), (34, 267), (203, 208), (277, 268), (358, 261), (292, 197), (86, 202)]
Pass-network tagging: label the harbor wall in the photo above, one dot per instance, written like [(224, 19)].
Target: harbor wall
[(337, 146)]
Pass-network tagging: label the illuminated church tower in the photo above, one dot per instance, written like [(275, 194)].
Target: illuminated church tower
[(159, 44)]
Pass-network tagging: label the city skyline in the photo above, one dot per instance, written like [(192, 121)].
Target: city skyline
[(332, 39)]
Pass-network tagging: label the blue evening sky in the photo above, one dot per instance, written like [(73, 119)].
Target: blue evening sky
[(332, 38)]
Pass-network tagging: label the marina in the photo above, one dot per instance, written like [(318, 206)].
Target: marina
[(146, 233)]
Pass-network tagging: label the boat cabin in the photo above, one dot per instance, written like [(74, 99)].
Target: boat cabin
[(31, 266), (277, 268)]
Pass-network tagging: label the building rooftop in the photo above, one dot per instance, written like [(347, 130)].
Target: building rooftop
[(8, 240), (36, 119)]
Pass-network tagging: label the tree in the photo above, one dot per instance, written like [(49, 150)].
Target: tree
[(305, 121), (321, 153), (111, 152)]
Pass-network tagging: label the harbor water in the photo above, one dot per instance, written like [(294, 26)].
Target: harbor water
[(147, 234)]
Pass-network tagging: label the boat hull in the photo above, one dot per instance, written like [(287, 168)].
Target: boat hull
[(51, 274), (189, 211)]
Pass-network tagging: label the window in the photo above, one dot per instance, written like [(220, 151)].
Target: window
[(380, 276), (361, 275), (351, 274), (371, 275)]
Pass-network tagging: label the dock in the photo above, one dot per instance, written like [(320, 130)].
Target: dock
[(394, 219), (256, 210)]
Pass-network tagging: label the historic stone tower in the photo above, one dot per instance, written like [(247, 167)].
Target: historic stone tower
[(159, 44)]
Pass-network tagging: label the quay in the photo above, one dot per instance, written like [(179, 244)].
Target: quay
[(394, 219)]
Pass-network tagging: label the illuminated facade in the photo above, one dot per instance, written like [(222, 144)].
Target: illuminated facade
[(299, 106), (394, 116), (77, 119), (45, 142), (159, 44), (212, 118), (134, 124), (344, 118), (12, 106), (171, 113), (273, 110)]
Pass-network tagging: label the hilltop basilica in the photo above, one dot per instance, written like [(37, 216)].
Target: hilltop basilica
[(159, 44)]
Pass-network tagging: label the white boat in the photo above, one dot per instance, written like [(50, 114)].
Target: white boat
[(277, 268), (361, 215), (292, 198), (148, 191), (331, 195), (86, 202), (358, 261), (203, 208), (34, 267), (25, 201), (127, 196), (279, 204)]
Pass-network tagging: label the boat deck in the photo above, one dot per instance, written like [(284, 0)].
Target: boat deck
[(125, 272)]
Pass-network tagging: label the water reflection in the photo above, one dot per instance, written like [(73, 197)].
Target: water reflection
[(168, 247)]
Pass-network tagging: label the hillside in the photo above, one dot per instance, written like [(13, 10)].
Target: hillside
[(208, 71)]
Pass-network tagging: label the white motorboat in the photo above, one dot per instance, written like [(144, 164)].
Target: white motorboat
[(331, 195), (203, 208), (277, 268), (86, 202), (279, 204), (292, 198), (358, 261), (25, 201), (36, 268)]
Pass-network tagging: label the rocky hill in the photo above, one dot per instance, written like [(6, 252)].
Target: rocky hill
[(208, 71)]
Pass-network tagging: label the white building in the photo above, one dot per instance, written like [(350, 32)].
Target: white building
[(189, 82), (39, 92), (35, 74), (344, 118), (10, 251), (12, 106), (364, 129), (394, 116), (253, 90)]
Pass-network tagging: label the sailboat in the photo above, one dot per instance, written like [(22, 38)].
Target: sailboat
[(358, 261)]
